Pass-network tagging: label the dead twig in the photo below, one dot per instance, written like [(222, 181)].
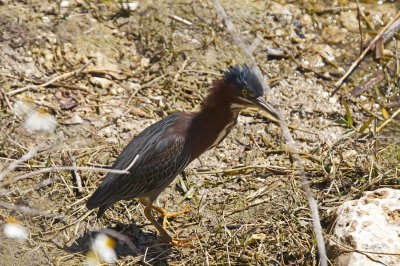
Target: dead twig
[(44, 183), (378, 77), (339, 83), (32, 152), (387, 121), (251, 205), (51, 81), (274, 120), (6, 99), (30, 211), (184, 21), (248, 168), (75, 173), (333, 10), (253, 46), (286, 133), (62, 168), (391, 30), (180, 70)]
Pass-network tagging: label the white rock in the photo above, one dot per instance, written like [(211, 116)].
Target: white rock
[(46, 19), (145, 62), (64, 4), (130, 6), (74, 120), (102, 82), (325, 94), (371, 223), (349, 20), (332, 100), (326, 51)]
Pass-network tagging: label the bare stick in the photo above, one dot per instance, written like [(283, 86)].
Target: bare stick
[(388, 120), (32, 152), (44, 183), (29, 211), (51, 81), (184, 21), (253, 46), (369, 47), (62, 168), (286, 133), (391, 30), (76, 174)]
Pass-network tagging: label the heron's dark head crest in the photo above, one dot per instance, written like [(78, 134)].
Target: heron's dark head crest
[(242, 77)]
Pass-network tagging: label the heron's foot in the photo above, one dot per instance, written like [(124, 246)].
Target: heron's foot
[(166, 215), (180, 243)]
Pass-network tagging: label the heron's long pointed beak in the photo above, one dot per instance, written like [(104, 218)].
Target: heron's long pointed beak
[(265, 106)]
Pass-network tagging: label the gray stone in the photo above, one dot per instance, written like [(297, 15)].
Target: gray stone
[(367, 230)]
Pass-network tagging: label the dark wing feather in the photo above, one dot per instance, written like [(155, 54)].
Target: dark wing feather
[(161, 158)]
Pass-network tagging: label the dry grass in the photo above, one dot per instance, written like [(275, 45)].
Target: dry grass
[(246, 204)]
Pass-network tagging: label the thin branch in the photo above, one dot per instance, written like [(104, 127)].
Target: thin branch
[(44, 183), (369, 47), (253, 46), (30, 211), (53, 80), (286, 133), (62, 168), (32, 152), (184, 21), (388, 120), (75, 174)]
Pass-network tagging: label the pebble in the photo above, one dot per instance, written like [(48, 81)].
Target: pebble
[(130, 6)]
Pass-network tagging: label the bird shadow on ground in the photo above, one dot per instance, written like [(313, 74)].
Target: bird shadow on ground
[(148, 245)]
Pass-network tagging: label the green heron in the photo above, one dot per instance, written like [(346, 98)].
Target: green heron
[(164, 149)]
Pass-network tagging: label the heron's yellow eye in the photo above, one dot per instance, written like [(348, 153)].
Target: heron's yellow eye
[(245, 93)]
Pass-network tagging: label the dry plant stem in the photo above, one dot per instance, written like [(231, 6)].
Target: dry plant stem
[(184, 21), (44, 183), (62, 168), (369, 47), (388, 120), (286, 133), (6, 98), (391, 30), (359, 11), (32, 152), (30, 211), (53, 80), (76, 174)]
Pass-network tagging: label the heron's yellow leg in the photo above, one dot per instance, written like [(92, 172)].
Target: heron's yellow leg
[(165, 214), (160, 228)]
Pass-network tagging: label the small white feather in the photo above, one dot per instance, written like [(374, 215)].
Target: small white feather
[(103, 245), (40, 121), (15, 231), (23, 107)]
